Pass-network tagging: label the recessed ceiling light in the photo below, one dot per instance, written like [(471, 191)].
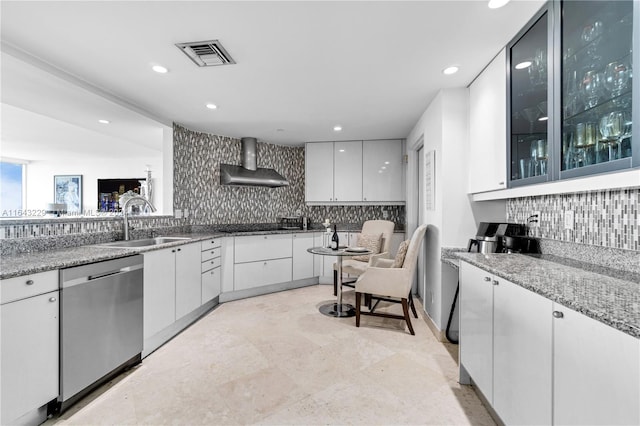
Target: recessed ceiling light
[(103, 121), (212, 106), (341, 150), (386, 162), (522, 65), (450, 70), (496, 4), (159, 69), (543, 118), (337, 128)]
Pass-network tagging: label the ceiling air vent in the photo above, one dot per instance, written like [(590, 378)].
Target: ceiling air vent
[(206, 53)]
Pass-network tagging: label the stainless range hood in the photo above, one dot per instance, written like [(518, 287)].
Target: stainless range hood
[(248, 174)]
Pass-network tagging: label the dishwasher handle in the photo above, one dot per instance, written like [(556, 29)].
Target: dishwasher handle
[(107, 274)]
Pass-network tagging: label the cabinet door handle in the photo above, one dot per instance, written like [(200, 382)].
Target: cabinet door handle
[(173, 251), (52, 299), (487, 278), (179, 249), (496, 282), (29, 282), (558, 314), (265, 263), (500, 183)]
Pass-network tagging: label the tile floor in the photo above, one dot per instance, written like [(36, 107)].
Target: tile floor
[(276, 360)]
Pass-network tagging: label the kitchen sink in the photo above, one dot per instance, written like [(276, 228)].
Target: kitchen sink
[(143, 243)]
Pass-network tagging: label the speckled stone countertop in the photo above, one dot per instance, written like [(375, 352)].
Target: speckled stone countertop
[(611, 296), (39, 261), (448, 256)]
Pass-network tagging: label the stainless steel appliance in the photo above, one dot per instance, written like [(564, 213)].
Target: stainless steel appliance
[(489, 237), (100, 324)]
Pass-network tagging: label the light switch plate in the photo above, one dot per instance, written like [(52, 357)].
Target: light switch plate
[(177, 213), (569, 219)]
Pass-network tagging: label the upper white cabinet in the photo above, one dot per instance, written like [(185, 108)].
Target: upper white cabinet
[(488, 128), (319, 171), (347, 171), (382, 177), (354, 172)]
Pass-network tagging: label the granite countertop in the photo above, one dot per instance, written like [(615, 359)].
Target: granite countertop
[(40, 261), (611, 296), (448, 256)]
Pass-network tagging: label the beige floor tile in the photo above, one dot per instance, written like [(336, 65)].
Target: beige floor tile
[(276, 360)]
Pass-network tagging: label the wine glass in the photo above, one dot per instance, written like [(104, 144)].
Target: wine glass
[(616, 78), (591, 37), (531, 114), (591, 87)]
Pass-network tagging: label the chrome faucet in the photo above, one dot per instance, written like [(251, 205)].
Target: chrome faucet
[(125, 211)]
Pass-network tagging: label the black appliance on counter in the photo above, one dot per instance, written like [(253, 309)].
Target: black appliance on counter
[(496, 237)]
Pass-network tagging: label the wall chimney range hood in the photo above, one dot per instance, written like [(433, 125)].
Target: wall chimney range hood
[(248, 174)]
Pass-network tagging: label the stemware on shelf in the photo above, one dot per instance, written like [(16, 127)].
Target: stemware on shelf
[(591, 88), (616, 78)]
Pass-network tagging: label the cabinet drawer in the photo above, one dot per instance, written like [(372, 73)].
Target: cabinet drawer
[(211, 253), (28, 285), (211, 243), (210, 264), (257, 274), (262, 247), (210, 284)]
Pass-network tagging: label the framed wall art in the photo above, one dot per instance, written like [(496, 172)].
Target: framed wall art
[(68, 190)]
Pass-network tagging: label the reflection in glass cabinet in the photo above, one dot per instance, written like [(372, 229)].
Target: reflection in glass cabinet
[(596, 82), (529, 99)]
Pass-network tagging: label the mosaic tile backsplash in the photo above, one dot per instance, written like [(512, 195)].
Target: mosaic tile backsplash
[(197, 157), (603, 218)]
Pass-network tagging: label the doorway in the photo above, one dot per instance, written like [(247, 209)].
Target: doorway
[(421, 219)]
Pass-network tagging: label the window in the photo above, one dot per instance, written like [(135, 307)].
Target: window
[(11, 188)]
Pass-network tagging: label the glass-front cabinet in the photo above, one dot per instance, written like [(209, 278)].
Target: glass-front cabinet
[(572, 92), (529, 95), (597, 65)]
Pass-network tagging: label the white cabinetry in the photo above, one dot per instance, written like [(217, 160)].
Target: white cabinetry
[(347, 171), (211, 269), (188, 279), (262, 260), (159, 299), (172, 286), (538, 362), (30, 324), (319, 172), (354, 172), (596, 368), (382, 177), (521, 354), (476, 327), (488, 128), (302, 259)]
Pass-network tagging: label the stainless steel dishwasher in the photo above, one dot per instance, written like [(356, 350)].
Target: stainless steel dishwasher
[(100, 324)]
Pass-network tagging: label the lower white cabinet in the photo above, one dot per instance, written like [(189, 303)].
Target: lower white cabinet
[(188, 279), (537, 362), (261, 260), (476, 326), (159, 301), (211, 269), (302, 259), (596, 369), (521, 354), (29, 354), (172, 285)]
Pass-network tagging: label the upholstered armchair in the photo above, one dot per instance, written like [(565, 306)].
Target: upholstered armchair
[(391, 279), (376, 236)]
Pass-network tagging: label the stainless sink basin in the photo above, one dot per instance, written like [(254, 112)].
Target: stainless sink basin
[(143, 243)]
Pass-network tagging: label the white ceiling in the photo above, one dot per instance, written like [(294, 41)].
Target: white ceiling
[(370, 66)]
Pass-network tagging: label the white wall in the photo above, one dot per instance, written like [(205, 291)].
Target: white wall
[(454, 220), (40, 178)]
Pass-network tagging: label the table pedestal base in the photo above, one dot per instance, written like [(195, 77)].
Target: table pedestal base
[(342, 310)]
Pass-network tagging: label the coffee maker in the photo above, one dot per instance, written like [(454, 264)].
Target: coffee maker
[(490, 237)]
